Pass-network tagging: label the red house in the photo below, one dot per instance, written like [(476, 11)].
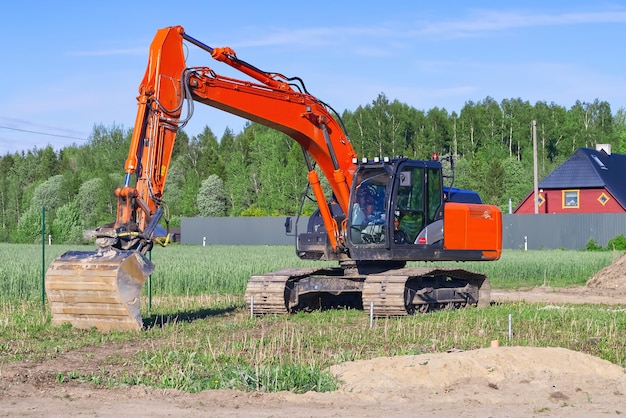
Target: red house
[(590, 181)]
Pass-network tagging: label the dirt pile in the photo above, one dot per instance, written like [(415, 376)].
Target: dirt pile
[(502, 382), (528, 379), (612, 276)]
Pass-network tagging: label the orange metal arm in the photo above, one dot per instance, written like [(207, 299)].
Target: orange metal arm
[(156, 124), (269, 101)]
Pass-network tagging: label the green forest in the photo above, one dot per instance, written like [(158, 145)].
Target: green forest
[(261, 172)]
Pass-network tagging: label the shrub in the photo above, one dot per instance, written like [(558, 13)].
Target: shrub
[(253, 211), (592, 245), (617, 243)]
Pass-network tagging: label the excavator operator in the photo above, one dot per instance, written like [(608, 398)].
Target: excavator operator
[(364, 207)]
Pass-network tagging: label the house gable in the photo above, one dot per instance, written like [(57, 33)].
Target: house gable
[(577, 171), (591, 172)]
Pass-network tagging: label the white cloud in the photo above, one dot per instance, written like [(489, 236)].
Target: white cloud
[(487, 21)]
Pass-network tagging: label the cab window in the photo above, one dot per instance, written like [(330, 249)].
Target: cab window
[(435, 193), (409, 212), (368, 207)]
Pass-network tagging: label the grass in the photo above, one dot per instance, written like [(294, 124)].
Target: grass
[(199, 336), (194, 270), (232, 351)]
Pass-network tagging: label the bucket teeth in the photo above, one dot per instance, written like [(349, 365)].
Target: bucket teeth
[(97, 289)]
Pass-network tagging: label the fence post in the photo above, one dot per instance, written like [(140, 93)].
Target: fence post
[(43, 258)]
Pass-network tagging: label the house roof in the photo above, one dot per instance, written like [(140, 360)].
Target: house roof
[(589, 168)]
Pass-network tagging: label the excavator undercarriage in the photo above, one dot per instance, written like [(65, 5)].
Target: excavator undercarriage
[(396, 292)]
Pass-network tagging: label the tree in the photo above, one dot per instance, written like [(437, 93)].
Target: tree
[(48, 162), (6, 164), (67, 226), (180, 144), (268, 160), (211, 197), (517, 117), (107, 195), (491, 124), (518, 180), (29, 227), (106, 151), (197, 158), (620, 130), (494, 182), (202, 154), (88, 202), (359, 126), (469, 174), (373, 128), (189, 194), (438, 131), (49, 195), (383, 127), (551, 133), (235, 152), (173, 193)]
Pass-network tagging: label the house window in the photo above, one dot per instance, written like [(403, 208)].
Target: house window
[(603, 199), (570, 199)]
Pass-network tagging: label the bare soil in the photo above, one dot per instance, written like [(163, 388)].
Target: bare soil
[(496, 381)]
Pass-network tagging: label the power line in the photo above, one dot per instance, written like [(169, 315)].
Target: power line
[(42, 133)]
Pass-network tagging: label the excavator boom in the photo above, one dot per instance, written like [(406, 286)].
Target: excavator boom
[(89, 288)]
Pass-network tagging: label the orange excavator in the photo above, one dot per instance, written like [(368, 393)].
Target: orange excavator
[(378, 214)]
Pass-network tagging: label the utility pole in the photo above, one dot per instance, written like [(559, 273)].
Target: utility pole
[(536, 183)]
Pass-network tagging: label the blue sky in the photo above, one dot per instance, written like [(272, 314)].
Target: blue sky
[(67, 66)]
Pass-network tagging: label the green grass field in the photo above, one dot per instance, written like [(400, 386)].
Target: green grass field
[(199, 336), (194, 270)]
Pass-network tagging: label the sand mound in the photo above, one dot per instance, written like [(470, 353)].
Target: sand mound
[(503, 382), (532, 377), (612, 276), (489, 366)]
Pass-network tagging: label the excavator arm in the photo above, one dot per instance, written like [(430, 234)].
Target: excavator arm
[(102, 288), (271, 100)]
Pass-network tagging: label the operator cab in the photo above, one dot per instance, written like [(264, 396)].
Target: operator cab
[(408, 212), (397, 211)]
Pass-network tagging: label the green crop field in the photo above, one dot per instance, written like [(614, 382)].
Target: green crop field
[(199, 336), (194, 270)]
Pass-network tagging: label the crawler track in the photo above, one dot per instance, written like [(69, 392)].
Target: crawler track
[(410, 290), (269, 293), (396, 292)]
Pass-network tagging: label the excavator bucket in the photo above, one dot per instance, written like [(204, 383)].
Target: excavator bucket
[(97, 289)]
